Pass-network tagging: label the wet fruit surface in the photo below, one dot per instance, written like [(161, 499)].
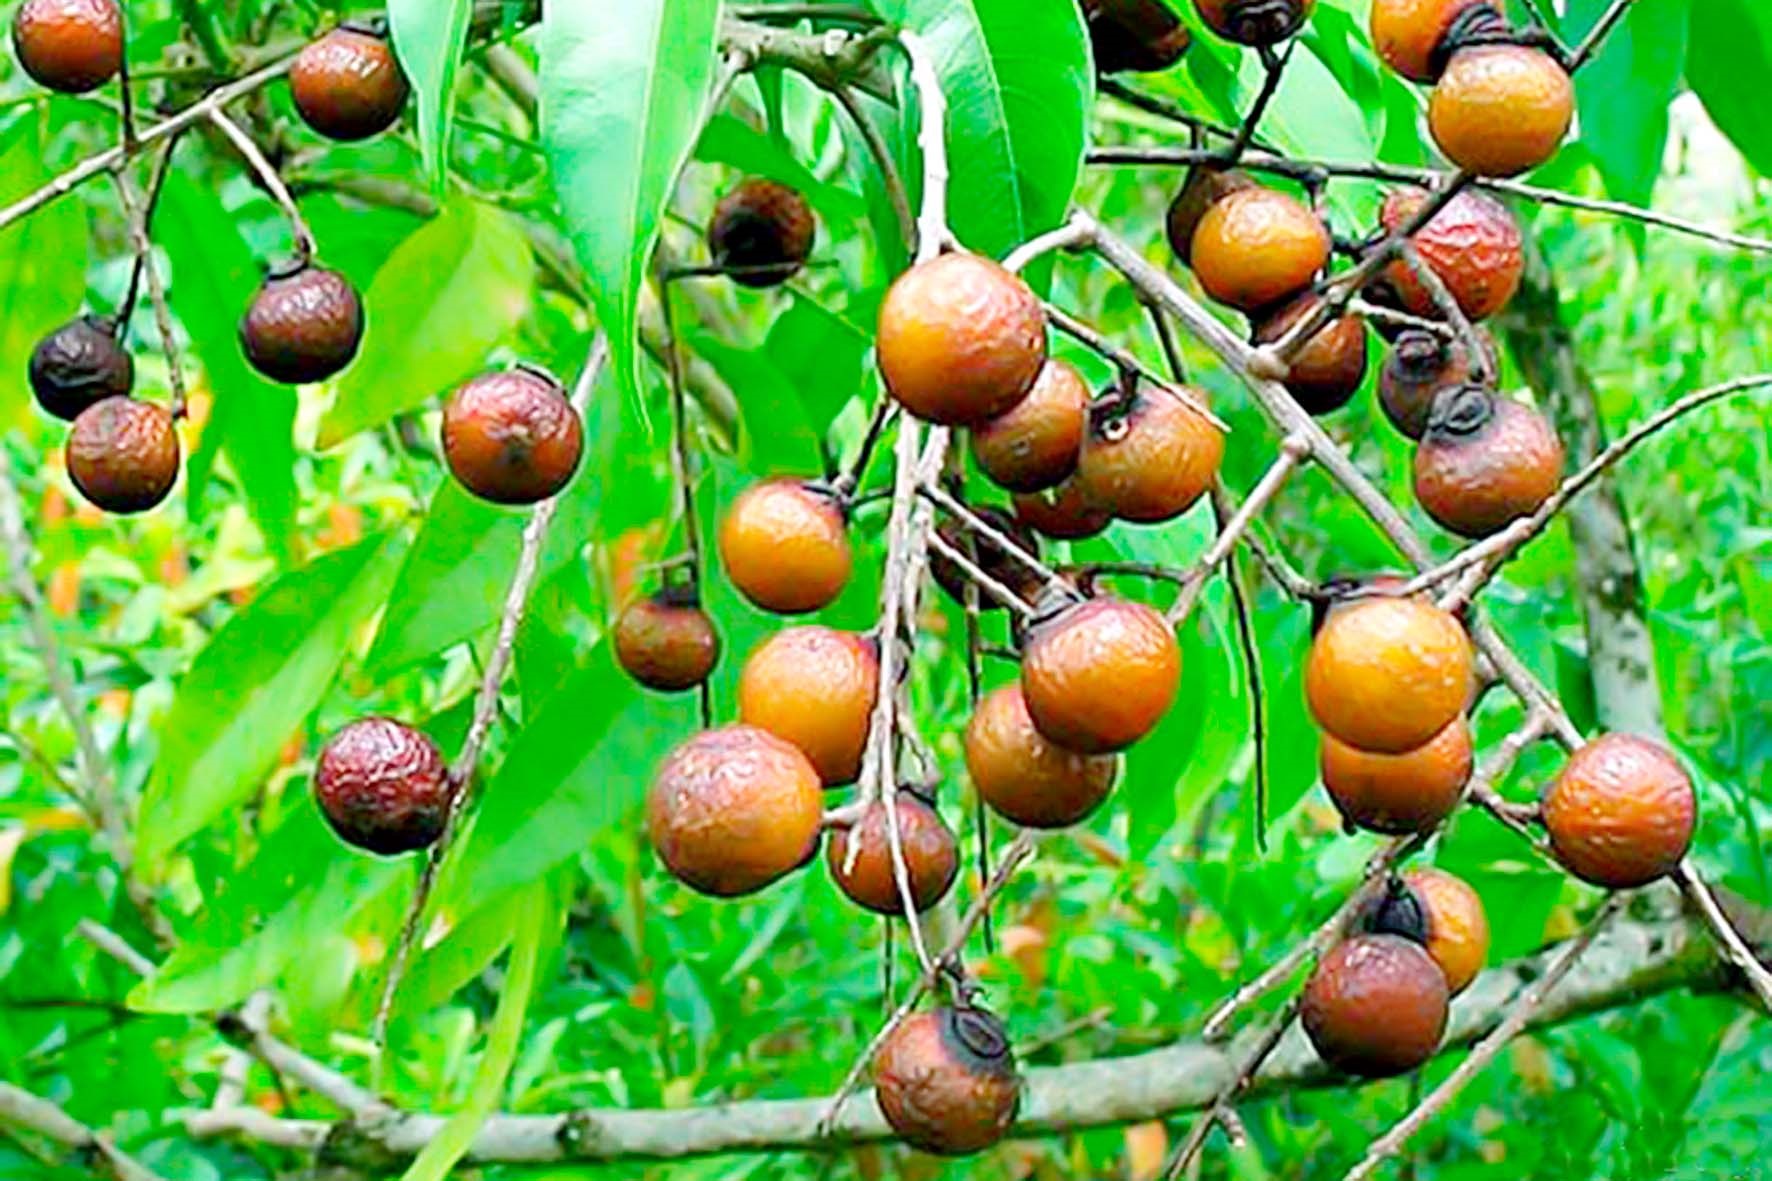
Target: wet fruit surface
[(1063, 513), (1473, 245), (1622, 813), (946, 1081), (1500, 110), (1008, 571), (78, 365), (1203, 188), (304, 324), (1035, 445), (1149, 461), (734, 809), (512, 437), (1376, 1006), (1327, 372), (1457, 928), (666, 642), (1409, 34), (961, 340), (1255, 22), (383, 786), (814, 687), (348, 84), (1485, 461), (762, 232), (71, 46), (1419, 366), (931, 857), (1025, 778), (123, 455), (785, 546), (1139, 35), (1401, 793), (1100, 675), (1387, 674), (1258, 246)]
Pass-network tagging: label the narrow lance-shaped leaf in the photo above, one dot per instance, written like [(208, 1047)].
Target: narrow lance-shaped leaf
[(429, 36), (42, 265)]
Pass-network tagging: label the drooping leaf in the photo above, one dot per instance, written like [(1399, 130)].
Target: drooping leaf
[(42, 265), (1728, 53), (1625, 89), (428, 37)]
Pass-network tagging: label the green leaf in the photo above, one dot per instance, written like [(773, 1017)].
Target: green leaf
[(1728, 56), (264, 671), (445, 298), (622, 92), (1624, 91), (213, 279), (42, 265), (428, 36)]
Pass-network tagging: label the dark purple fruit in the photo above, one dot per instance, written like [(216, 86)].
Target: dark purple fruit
[(383, 786), (79, 365), (304, 324), (761, 233)]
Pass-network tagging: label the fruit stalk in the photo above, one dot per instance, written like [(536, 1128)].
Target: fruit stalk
[(1735, 949), (137, 213), (1448, 307), (268, 177), (1597, 35), (1294, 450)]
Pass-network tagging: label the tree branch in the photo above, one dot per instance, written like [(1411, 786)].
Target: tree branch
[(22, 1110)]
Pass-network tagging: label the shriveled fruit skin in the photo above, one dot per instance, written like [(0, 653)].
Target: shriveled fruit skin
[(512, 437), (1622, 813), (79, 365), (70, 46), (666, 644), (1473, 245), (946, 1081), (814, 687), (1458, 928), (961, 340), (1419, 366), (1327, 372), (785, 546), (1142, 36), (1387, 674), (123, 455), (763, 231), (1402, 793), (931, 857), (1002, 566), (1152, 461), (1255, 22), (733, 810), (1258, 246), (1100, 675), (304, 325), (1409, 34), (348, 85), (383, 786), (1063, 513), (1376, 1006), (1485, 461), (1034, 446), (1500, 110), (1026, 778)]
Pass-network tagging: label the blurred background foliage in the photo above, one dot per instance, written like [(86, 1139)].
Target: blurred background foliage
[(317, 566)]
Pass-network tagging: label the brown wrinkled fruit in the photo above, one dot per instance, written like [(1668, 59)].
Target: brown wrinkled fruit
[(1622, 812), (1151, 459), (666, 641), (785, 546), (1257, 246), (304, 324), (1376, 1006), (512, 437), (1100, 675), (1457, 927), (79, 365), (1387, 674), (1034, 446), (945, 1080), (1410, 35), (814, 687), (1063, 513), (761, 232), (1500, 110), (988, 556), (1473, 245), (1255, 22), (931, 857), (733, 810), (1401, 793), (1025, 778), (1325, 374), (383, 786), (1419, 366), (348, 85), (1485, 461), (961, 340), (123, 455), (71, 46), (1142, 36), (1203, 189)]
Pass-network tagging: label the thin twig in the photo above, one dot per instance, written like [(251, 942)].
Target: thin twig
[(999, 540), (882, 156), (1097, 342), (1294, 450), (273, 183), (1065, 237), (21, 1109), (1735, 949), (978, 577), (1597, 35), (137, 214), (1261, 1048), (1448, 307)]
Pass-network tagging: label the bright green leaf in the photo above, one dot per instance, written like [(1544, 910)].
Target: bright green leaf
[(1728, 57), (42, 265), (428, 36), (1625, 90)]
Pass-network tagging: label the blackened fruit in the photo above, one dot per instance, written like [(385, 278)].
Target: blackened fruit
[(785, 546), (1100, 675), (1457, 928), (1622, 812), (71, 46), (1419, 366), (734, 809), (1402, 793), (1258, 246), (383, 786), (78, 365), (1063, 513), (348, 85), (1025, 778), (1485, 461), (1398, 911), (666, 641), (1203, 189), (1034, 445), (1003, 567), (946, 1081), (1324, 375), (1143, 36), (931, 857), (304, 324), (814, 687), (961, 340), (1387, 674), (123, 455), (1255, 22), (512, 437), (1410, 35), (1500, 110), (1376, 1006), (1149, 458), (762, 232), (1473, 245)]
